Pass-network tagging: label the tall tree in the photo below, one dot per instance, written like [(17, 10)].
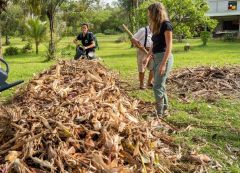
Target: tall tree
[(83, 11), (36, 29), (187, 16), (131, 7), (35, 7), (48, 7), (10, 21), (3, 4), (51, 7), (115, 20)]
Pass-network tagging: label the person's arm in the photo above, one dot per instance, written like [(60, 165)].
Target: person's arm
[(168, 39), (91, 40), (76, 40), (139, 35), (148, 57), (92, 45), (137, 44)]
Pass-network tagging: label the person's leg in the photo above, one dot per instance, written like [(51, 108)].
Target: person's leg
[(141, 80), (151, 73), (78, 54), (168, 69), (159, 82), (140, 56), (87, 52), (150, 78), (158, 89)]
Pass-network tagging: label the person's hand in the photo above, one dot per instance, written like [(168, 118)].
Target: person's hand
[(139, 45), (162, 69), (85, 48), (145, 61)]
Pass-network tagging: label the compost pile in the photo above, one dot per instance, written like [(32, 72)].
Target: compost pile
[(209, 83), (74, 118)]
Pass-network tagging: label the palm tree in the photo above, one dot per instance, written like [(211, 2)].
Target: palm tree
[(51, 7), (36, 29), (48, 7)]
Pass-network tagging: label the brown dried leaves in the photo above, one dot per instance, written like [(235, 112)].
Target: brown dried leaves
[(75, 118)]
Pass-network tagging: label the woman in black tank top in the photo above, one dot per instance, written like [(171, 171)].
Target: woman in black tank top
[(161, 50)]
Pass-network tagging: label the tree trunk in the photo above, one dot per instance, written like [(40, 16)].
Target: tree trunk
[(7, 42), (37, 44), (131, 18), (51, 49), (179, 38), (136, 14)]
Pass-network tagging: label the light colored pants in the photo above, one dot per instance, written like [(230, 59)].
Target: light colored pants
[(160, 81), (140, 57)]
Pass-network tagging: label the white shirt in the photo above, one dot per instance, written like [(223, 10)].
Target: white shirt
[(140, 36)]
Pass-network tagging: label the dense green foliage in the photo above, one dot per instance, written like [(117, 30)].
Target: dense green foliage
[(64, 18), (11, 51), (205, 35), (36, 30), (188, 17)]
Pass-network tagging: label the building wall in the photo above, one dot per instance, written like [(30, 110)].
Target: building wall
[(227, 19), (220, 6)]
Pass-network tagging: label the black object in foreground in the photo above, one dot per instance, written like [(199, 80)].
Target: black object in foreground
[(3, 77)]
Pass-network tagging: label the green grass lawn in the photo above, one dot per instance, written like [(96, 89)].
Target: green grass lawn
[(214, 127)]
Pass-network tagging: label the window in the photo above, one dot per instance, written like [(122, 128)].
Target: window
[(230, 25), (232, 5)]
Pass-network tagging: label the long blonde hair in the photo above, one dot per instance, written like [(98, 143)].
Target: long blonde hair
[(157, 15)]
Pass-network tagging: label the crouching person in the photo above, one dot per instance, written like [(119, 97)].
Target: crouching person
[(88, 44)]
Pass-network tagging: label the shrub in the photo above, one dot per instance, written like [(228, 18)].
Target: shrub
[(11, 51), (229, 37), (205, 35), (27, 48)]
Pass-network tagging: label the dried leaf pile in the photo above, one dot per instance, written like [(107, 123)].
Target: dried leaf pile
[(206, 82), (74, 118)]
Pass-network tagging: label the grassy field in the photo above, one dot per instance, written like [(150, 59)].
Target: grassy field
[(213, 125)]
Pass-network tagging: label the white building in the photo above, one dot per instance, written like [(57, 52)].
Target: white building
[(227, 12)]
